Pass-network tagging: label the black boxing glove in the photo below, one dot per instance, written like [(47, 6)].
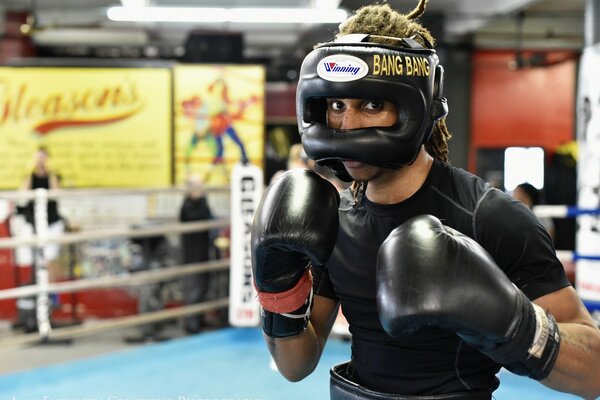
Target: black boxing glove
[(296, 224), (430, 274)]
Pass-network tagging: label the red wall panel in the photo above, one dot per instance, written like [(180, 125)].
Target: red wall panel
[(523, 107), (7, 274), (280, 103), (13, 44)]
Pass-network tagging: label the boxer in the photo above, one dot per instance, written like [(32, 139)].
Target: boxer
[(442, 278)]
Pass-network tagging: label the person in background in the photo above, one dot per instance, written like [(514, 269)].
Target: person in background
[(443, 279), (42, 177), (531, 197), (195, 247), (297, 158)]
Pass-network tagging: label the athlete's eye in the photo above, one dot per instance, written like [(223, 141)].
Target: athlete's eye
[(373, 105), (335, 105)]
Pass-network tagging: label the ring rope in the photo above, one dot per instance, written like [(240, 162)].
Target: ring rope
[(577, 256), (140, 232), (41, 270), (123, 280), (563, 211), (60, 193), (43, 287), (92, 327), (567, 255)]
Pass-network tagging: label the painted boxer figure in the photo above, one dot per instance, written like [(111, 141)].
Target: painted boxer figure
[(442, 278)]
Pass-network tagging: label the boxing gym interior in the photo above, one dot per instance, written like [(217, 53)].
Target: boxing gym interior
[(137, 138)]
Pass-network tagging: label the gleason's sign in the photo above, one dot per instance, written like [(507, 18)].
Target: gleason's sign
[(102, 126)]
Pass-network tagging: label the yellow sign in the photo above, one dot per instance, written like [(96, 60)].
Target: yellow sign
[(219, 119), (103, 127)]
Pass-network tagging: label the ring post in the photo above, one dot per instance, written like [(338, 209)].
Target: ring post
[(41, 269)]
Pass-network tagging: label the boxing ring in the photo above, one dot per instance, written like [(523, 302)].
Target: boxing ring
[(42, 288), (584, 263), (228, 363)]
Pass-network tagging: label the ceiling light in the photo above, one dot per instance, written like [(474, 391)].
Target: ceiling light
[(134, 3), (326, 4), (220, 15)]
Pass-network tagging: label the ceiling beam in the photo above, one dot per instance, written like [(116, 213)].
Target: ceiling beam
[(469, 16)]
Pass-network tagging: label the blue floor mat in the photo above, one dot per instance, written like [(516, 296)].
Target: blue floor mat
[(230, 364)]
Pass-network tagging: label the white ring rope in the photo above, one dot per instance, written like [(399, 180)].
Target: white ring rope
[(140, 232), (123, 280), (563, 211), (565, 255), (92, 327), (42, 288), (93, 193)]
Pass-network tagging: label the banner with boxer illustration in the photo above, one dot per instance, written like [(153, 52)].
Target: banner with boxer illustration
[(219, 119), (588, 137), (103, 127)]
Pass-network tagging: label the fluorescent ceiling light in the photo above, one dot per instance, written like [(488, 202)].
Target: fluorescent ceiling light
[(134, 3), (326, 4), (74, 36), (220, 15)]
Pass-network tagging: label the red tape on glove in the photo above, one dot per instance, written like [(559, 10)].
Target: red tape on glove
[(290, 300)]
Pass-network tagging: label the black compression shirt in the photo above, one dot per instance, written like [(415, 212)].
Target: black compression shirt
[(433, 360), (41, 182)]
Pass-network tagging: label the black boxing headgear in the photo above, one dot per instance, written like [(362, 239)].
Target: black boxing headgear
[(409, 75)]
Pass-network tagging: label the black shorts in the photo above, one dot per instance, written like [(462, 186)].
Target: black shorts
[(343, 388)]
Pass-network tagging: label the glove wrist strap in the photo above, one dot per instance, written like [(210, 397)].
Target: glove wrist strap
[(280, 325), (534, 347), (290, 300), (543, 351)]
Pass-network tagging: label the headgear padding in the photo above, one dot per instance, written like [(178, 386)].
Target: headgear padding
[(408, 75)]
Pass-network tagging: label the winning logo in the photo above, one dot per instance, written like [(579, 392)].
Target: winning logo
[(342, 68)]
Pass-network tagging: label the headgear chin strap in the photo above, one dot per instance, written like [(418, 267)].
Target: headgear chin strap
[(353, 67)]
